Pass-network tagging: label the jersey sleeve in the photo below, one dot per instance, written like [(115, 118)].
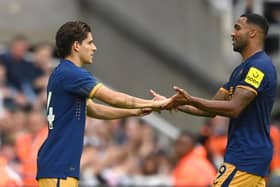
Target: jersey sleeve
[(253, 78), (81, 83), (225, 86)]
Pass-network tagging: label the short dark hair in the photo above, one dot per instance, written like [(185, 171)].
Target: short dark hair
[(68, 33), (258, 20)]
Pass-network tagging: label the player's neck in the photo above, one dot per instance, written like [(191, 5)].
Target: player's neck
[(250, 51), (75, 60)]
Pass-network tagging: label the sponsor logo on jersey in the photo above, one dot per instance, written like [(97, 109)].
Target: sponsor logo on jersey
[(254, 77)]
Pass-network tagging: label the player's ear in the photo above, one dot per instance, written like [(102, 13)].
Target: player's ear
[(253, 32), (76, 46)]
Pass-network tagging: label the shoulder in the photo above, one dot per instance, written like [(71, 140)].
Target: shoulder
[(261, 69), (262, 62), (65, 69), (69, 73), (70, 69)]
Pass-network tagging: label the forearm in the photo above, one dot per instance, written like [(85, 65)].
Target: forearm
[(231, 108), (119, 99), (216, 107), (107, 112), (241, 98), (127, 101), (195, 111)]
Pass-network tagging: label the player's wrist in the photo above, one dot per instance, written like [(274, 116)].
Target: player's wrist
[(191, 100), (135, 112)]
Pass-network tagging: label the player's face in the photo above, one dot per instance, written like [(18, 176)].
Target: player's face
[(240, 34), (87, 50)]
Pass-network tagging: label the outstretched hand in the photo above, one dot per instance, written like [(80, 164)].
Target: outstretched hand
[(157, 96), (181, 97), (164, 100)]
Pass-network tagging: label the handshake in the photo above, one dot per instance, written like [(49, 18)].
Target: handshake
[(160, 102), (181, 97)]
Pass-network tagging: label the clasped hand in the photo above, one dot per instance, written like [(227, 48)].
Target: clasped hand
[(181, 97)]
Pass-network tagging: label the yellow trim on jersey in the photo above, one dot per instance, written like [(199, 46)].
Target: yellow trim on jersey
[(52, 182), (254, 77), (248, 88), (224, 90), (87, 103), (93, 91)]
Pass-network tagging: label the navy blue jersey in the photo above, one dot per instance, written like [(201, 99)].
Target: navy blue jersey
[(249, 146), (68, 88)]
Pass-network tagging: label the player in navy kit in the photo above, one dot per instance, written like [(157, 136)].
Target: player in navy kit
[(247, 99), (70, 90)]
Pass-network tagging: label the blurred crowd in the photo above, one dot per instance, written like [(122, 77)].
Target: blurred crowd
[(125, 152)]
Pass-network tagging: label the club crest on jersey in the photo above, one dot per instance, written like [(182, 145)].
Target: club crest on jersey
[(254, 77)]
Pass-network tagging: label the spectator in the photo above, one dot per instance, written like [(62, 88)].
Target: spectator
[(216, 140), (42, 60), (28, 144), (8, 176), (4, 91), (192, 168), (18, 68), (12, 123), (274, 178), (120, 152), (9, 163)]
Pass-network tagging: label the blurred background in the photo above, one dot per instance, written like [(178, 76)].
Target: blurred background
[(141, 45)]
